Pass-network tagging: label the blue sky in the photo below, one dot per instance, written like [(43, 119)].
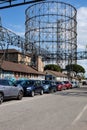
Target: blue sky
[(14, 19)]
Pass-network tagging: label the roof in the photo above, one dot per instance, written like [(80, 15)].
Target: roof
[(15, 67), (12, 51), (55, 73)]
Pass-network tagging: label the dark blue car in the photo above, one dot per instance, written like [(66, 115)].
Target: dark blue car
[(31, 87), (49, 86)]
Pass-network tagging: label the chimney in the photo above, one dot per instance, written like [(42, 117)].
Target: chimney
[(40, 65)]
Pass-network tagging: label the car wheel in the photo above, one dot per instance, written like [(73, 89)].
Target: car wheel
[(1, 98), (60, 89), (20, 95), (52, 90), (55, 90), (70, 87), (32, 93), (41, 92)]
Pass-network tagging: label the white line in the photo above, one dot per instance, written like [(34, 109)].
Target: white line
[(79, 116)]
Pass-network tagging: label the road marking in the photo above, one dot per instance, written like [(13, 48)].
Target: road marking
[(79, 116)]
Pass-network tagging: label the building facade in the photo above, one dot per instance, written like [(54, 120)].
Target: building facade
[(15, 70), (16, 56)]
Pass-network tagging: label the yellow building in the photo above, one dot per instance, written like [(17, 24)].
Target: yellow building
[(15, 56), (14, 64)]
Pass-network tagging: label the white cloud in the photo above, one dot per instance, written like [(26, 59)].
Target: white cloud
[(84, 64), (82, 27), (82, 33), (20, 33), (17, 29)]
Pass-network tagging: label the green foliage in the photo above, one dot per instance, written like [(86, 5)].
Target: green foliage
[(76, 68), (53, 67)]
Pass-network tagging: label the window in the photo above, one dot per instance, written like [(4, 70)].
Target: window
[(4, 82)]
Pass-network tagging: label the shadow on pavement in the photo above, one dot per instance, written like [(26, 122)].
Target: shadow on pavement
[(74, 92)]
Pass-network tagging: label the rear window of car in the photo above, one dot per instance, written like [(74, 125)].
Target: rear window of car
[(4, 82), (58, 83), (53, 83), (66, 82), (72, 82), (45, 82), (18, 82)]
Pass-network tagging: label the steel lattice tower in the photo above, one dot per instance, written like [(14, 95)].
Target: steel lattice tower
[(51, 31)]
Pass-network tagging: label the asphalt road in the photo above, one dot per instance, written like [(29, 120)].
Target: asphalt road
[(65, 110)]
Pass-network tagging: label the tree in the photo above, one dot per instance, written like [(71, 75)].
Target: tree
[(53, 67), (76, 68)]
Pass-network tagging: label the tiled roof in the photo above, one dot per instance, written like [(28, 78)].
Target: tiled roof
[(13, 51), (55, 73), (15, 67), (10, 51)]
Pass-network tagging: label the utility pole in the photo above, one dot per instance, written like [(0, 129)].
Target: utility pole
[(2, 46)]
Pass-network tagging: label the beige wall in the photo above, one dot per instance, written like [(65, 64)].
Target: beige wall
[(25, 59), (40, 65), (18, 58), (13, 57)]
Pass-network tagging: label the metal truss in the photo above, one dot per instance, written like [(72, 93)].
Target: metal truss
[(52, 26), (12, 3), (82, 55), (9, 39), (51, 31)]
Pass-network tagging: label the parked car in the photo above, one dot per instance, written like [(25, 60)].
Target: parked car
[(60, 85), (23, 83), (75, 84), (68, 84), (84, 82), (31, 87), (9, 90), (49, 86)]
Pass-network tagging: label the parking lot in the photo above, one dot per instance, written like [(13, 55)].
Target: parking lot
[(63, 110)]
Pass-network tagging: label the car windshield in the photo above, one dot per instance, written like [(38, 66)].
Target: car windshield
[(45, 82), (72, 82), (58, 83), (66, 82), (18, 82), (6, 83), (28, 82), (62, 82)]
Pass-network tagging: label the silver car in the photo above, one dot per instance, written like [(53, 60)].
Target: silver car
[(75, 84), (9, 90)]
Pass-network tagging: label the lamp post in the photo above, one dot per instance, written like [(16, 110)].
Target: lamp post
[(70, 66)]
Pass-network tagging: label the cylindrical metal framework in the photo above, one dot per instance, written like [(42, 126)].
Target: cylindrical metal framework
[(51, 30)]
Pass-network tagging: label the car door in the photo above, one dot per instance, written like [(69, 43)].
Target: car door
[(5, 88), (53, 85), (37, 86), (25, 84), (13, 89)]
